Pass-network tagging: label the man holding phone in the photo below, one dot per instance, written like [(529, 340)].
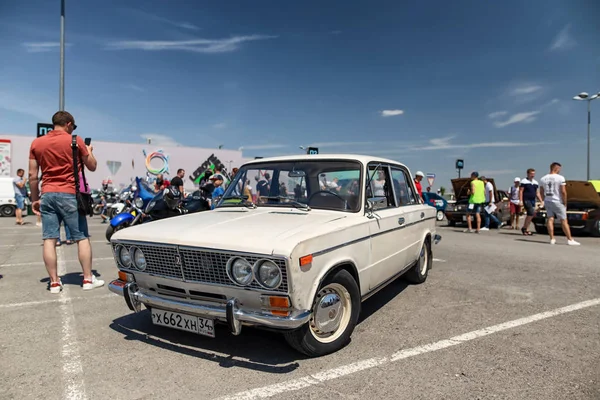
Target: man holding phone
[(52, 154)]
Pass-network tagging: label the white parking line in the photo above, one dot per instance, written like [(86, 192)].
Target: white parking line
[(320, 377), (40, 243), (58, 300), (72, 368), (41, 262), (438, 260)]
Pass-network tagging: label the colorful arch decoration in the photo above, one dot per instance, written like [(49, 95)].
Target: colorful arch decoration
[(157, 155)]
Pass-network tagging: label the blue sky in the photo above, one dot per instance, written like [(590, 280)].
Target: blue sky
[(419, 82)]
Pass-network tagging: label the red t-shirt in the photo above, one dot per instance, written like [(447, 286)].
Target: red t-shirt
[(419, 187), (54, 155)]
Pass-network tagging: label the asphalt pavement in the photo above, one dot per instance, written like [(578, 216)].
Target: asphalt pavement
[(502, 316)]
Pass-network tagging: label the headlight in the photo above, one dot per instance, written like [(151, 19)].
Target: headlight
[(139, 203), (268, 274), (124, 256), (239, 271), (124, 196), (139, 260)]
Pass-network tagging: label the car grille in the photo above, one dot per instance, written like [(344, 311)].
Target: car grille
[(196, 265)]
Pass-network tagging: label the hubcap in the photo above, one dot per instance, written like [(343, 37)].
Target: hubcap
[(423, 260), (331, 313)]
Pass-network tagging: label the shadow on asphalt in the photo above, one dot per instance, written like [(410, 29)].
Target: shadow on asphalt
[(380, 299), (72, 278), (260, 350)]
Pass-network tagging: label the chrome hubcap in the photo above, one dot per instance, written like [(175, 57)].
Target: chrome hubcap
[(423, 260), (331, 313)]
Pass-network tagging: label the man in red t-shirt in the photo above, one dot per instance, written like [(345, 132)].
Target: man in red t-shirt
[(53, 155), (418, 178)]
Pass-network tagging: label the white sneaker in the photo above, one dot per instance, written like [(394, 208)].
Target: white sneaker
[(93, 284), (56, 287), (552, 241), (484, 229), (573, 243)]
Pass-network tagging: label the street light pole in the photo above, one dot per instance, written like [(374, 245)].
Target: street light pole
[(61, 94), (588, 98)]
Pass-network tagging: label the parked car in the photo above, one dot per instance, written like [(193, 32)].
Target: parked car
[(436, 201), (458, 212), (300, 263), (8, 204), (583, 210)]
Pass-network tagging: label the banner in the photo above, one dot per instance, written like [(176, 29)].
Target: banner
[(5, 157)]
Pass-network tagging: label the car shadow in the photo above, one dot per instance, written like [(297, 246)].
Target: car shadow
[(381, 298), (72, 278), (256, 349)]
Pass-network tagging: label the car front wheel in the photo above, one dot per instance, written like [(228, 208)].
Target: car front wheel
[(7, 211), (334, 316), (439, 215)]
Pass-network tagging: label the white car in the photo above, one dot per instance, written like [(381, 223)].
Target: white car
[(323, 233)]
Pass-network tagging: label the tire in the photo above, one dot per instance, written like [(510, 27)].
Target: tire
[(97, 210), (8, 211), (420, 271), (110, 230), (341, 289), (542, 230), (451, 222), (595, 231), (439, 215)]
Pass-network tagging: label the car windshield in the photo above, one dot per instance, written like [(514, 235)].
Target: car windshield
[(305, 184)]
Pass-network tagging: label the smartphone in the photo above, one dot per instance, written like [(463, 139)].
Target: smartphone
[(88, 141)]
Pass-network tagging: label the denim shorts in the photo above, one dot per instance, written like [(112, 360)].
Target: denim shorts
[(62, 207), (20, 199), (529, 207), (476, 208)]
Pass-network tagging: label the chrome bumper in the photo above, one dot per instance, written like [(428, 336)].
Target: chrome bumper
[(230, 312)]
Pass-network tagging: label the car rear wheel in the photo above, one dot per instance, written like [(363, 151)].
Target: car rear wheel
[(595, 232), (8, 211), (418, 273), (335, 313), (439, 215)]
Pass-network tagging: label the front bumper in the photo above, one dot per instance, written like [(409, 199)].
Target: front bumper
[(231, 313)]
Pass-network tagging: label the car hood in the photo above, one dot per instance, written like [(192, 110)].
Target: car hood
[(236, 229), (596, 184), (582, 192), (461, 187)]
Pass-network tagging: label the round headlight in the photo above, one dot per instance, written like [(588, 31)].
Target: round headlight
[(139, 203), (268, 274), (139, 260), (124, 256), (240, 271), (124, 196)]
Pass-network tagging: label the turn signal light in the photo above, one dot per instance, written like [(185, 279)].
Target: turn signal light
[(125, 277), (306, 260), (280, 302)]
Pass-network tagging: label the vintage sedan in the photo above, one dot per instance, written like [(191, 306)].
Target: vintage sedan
[(457, 213), (583, 210), (299, 257)]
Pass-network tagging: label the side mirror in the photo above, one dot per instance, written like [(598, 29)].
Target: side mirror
[(369, 208)]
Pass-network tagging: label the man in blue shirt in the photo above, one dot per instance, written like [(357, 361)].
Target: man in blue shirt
[(217, 180), (527, 195)]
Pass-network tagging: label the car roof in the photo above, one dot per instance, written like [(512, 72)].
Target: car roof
[(306, 157)]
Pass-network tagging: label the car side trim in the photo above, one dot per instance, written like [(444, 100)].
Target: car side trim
[(339, 246), (383, 284)]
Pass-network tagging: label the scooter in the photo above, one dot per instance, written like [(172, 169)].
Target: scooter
[(138, 198)]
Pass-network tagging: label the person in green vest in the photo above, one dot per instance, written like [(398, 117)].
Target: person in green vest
[(476, 200)]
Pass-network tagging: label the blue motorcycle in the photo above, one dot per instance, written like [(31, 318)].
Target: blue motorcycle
[(140, 195)]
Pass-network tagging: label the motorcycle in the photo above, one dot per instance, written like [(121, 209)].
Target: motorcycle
[(168, 204), (134, 201)]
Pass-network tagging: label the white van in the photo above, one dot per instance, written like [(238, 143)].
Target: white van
[(8, 204)]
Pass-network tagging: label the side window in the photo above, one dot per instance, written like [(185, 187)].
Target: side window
[(378, 189), (405, 194)]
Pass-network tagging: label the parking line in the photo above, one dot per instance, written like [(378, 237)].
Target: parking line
[(41, 262), (58, 300), (324, 376)]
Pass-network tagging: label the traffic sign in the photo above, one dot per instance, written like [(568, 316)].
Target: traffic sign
[(460, 164), (430, 179), (312, 150), (43, 129)]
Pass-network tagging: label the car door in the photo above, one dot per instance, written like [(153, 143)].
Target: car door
[(414, 212), (385, 227)]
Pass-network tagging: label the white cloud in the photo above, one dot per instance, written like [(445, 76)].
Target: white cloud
[(137, 88), (220, 125), (391, 113), (194, 45), (524, 117), (444, 143), (160, 140), (42, 47), (153, 17), (497, 114), (339, 144), (263, 146), (563, 40), (497, 172), (527, 89)]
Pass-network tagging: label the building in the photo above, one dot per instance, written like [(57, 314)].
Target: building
[(120, 163)]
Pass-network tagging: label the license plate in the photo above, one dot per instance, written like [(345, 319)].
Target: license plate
[(464, 218), (184, 322)]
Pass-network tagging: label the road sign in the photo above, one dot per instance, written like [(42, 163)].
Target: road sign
[(312, 150), (460, 164), (43, 129), (430, 179)]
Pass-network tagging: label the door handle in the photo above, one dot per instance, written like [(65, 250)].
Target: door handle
[(401, 221), (422, 215)]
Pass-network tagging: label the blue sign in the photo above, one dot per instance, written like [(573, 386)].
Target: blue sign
[(43, 129), (312, 150), (460, 164)]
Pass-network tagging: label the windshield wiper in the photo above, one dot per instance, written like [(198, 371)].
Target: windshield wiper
[(244, 202), (289, 201)]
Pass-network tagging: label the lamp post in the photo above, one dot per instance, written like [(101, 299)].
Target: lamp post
[(584, 96), (61, 89)]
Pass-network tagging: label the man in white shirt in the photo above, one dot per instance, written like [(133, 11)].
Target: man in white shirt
[(554, 194), (489, 201)]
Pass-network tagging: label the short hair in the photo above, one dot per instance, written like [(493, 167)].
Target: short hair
[(530, 170), (20, 170), (180, 170), (62, 118), (554, 165)]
